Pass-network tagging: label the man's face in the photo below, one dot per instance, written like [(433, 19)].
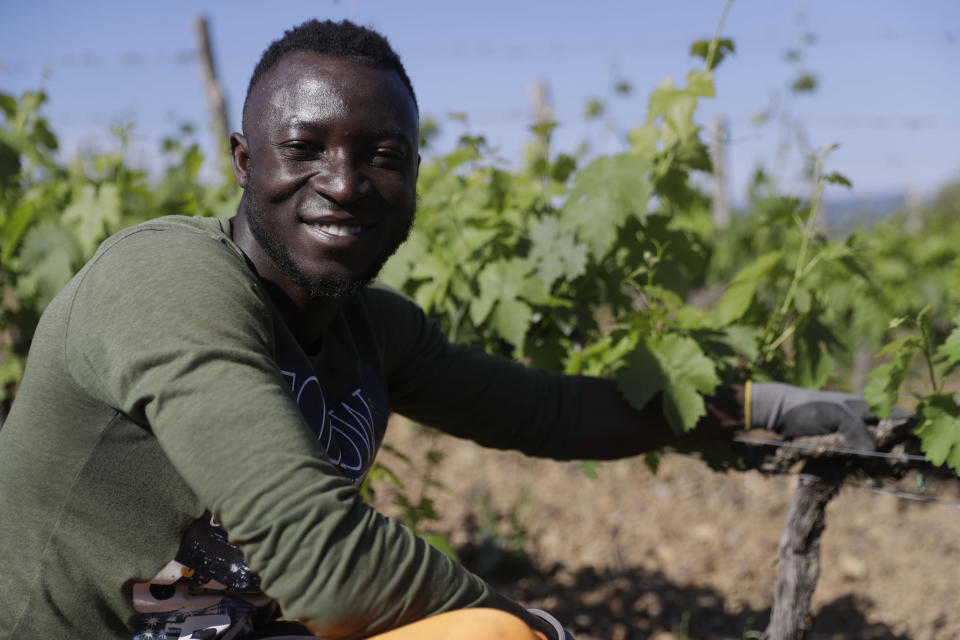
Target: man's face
[(330, 177)]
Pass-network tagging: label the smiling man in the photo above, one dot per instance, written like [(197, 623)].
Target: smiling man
[(204, 398)]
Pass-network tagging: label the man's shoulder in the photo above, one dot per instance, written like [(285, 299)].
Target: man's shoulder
[(167, 242), (157, 229), (162, 256)]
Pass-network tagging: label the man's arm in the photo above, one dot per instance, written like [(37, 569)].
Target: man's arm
[(500, 403)]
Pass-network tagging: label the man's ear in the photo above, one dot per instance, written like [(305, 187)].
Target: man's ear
[(239, 158)]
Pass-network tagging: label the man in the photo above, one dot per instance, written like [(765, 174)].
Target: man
[(203, 399)]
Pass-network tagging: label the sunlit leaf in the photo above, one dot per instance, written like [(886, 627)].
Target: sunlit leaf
[(701, 49), (883, 389), (947, 354), (555, 252), (813, 344), (740, 292), (94, 213), (676, 367), (49, 257), (605, 194), (939, 430)]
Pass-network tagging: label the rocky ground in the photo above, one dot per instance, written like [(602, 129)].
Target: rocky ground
[(685, 552)]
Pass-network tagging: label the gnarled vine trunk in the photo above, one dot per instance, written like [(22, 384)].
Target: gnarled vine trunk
[(825, 465), (799, 551)]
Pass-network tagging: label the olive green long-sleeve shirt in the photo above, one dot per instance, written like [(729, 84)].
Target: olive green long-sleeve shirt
[(175, 461)]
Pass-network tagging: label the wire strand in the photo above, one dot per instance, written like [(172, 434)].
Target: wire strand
[(813, 447), (906, 495)]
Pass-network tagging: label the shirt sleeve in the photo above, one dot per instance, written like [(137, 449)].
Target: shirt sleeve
[(471, 394), (172, 330)]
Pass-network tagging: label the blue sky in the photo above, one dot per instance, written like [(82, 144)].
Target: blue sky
[(889, 82)]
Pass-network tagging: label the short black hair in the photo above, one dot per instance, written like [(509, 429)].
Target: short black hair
[(339, 39)]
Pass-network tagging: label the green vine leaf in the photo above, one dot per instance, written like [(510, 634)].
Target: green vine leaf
[(882, 391), (675, 366), (701, 49), (741, 290), (555, 252), (838, 178), (700, 84), (947, 355), (93, 214), (814, 344), (643, 140), (511, 319), (939, 430), (48, 258), (605, 194), (506, 288)]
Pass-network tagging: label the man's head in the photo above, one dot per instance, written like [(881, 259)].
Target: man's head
[(339, 39), (328, 159)]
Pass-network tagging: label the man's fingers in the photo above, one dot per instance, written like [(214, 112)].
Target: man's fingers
[(818, 418), (809, 419)]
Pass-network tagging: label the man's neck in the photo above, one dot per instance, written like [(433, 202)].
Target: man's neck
[(306, 317)]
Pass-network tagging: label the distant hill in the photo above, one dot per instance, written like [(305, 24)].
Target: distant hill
[(844, 213)]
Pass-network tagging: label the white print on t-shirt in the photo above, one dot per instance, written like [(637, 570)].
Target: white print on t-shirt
[(346, 428)]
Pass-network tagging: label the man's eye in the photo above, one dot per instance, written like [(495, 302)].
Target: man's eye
[(387, 157), (299, 149)]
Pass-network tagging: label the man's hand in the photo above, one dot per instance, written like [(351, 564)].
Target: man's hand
[(794, 412)]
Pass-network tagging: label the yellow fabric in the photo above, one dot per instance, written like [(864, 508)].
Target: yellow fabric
[(746, 403), (465, 624)]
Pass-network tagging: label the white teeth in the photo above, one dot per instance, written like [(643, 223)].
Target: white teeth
[(338, 230)]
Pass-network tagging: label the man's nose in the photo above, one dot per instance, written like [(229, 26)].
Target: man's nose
[(340, 179)]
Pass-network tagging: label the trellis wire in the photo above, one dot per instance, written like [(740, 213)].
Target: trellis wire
[(906, 495), (816, 447)]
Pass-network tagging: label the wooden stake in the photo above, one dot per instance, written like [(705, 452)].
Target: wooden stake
[(216, 102)]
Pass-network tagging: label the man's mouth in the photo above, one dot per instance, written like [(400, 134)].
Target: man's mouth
[(338, 230)]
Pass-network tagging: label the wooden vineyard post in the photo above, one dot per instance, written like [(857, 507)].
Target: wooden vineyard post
[(216, 99)]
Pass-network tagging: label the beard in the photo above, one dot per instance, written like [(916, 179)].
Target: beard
[(337, 286)]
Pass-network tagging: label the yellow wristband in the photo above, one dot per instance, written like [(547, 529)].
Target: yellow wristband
[(746, 403)]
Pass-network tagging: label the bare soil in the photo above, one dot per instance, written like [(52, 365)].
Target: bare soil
[(685, 552)]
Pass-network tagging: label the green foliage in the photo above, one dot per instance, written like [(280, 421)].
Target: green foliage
[(804, 83), (883, 390), (937, 412), (742, 289), (53, 216), (712, 52)]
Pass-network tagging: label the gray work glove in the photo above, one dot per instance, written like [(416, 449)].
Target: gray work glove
[(562, 634), (793, 412)]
